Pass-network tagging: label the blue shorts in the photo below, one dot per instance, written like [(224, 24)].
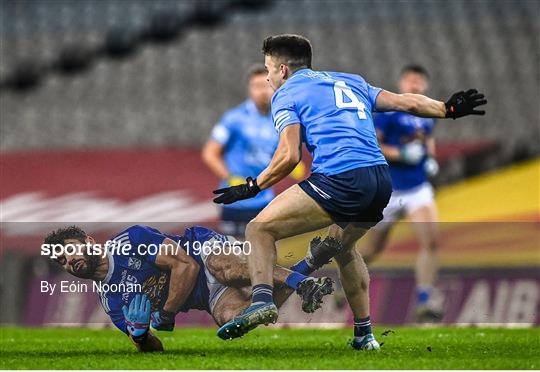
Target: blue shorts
[(358, 196)]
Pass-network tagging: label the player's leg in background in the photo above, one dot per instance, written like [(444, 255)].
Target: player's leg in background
[(375, 241), (424, 221), (377, 238), (291, 213)]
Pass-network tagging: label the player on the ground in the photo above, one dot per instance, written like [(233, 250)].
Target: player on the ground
[(350, 184), (242, 144), (200, 269), (408, 144)]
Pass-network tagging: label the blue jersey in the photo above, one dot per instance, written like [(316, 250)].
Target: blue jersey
[(400, 128), (137, 266), (334, 111), (249, 141)]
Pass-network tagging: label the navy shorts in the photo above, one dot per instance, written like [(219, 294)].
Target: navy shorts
[(358, 196)]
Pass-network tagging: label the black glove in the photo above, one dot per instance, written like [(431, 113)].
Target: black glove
[(234, 193), (464, 103)]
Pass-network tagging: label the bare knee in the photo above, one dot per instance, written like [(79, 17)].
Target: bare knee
[(254, 228), (216, 267), (259, 228)]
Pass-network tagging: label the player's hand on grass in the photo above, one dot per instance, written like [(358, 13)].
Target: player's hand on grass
[(163, 320), (412, 153), (137, 315), (240, 192), (465, 103)]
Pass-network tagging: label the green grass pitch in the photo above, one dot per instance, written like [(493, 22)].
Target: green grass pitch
[(272, 348)]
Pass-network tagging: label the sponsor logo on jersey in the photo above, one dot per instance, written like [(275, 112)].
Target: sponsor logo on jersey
[(134, 263)]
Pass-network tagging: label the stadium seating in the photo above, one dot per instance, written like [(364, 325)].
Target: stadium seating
[(172, 94)]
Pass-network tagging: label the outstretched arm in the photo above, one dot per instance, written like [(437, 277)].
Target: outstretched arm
[(415, 104), (459, 105), (184, 270)]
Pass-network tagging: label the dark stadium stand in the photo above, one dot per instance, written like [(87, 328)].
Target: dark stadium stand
[(170, 94)]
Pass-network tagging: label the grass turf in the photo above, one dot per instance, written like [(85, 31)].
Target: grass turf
[(271, 348)]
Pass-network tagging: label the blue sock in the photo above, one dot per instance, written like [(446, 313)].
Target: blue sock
[(294, 279), (362, 326), (302, 267), (422, 294), (262, 293)]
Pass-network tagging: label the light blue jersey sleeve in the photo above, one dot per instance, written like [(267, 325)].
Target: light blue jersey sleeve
[(373, 93), (283, 110)]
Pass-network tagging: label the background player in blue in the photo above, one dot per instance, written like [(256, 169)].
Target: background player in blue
[(175, 276), (408, 144), (350, 184), (240, 145)]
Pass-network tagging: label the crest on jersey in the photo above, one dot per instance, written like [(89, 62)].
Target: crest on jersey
[(134, 263)]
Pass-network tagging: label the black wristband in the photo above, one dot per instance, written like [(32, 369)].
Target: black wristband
[(252, 185)]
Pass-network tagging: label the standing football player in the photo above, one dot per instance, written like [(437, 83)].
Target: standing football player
[(409, 147), (350, 183)]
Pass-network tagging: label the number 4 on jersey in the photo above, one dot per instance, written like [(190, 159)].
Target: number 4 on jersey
[(341, 89)]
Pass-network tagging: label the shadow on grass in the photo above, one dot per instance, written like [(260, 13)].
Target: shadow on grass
[(242, 351)]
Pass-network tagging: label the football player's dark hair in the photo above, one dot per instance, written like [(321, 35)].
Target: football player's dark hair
[(414, 68), (291, 50), (60, 235), (256, 69)]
